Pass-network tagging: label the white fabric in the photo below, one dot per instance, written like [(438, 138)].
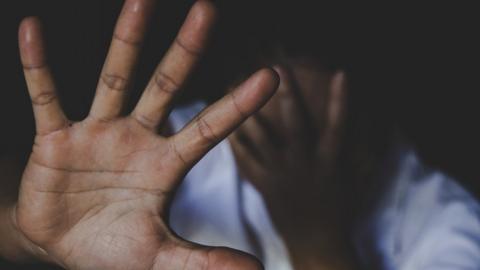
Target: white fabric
[(424, 220)]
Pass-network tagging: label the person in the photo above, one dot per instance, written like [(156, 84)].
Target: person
[(106, 193)]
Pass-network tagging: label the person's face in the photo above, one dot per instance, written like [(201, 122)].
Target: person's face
[(309, 82)]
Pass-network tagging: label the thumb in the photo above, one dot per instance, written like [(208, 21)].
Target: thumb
[(225, 258), (185, 255)]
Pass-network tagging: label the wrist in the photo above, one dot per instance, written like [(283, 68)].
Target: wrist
[(15, 246)]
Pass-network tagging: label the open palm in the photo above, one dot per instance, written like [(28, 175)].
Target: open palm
[(95, 194)]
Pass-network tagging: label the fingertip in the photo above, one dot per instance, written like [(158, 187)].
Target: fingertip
[(198, 25), (204, 10), (338, 87), (273, 74), (252, 94), (338, 80), (267, 79), (29, 29), (31, 42), (132, 23), (139, 6)]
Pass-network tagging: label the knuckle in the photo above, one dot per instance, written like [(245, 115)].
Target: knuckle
[(43, 99), (189, 49), (205, 131), (179, 156), (165, 83), (115, 82), (145, 121), (237, 107), (130, 41)]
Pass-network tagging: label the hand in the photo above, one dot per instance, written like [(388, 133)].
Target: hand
[(95, 194), (292, 159)]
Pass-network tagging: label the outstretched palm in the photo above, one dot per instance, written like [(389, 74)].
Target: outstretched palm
[(95, 193)]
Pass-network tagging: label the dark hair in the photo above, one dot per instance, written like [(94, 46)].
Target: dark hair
[(251, 34)]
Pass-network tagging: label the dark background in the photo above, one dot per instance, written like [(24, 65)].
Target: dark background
[(420, 64)]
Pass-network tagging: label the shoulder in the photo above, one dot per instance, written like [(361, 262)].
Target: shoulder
[(440, 223), (425, 220)]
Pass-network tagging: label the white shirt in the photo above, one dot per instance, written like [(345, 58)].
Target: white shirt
[(423, 221)]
